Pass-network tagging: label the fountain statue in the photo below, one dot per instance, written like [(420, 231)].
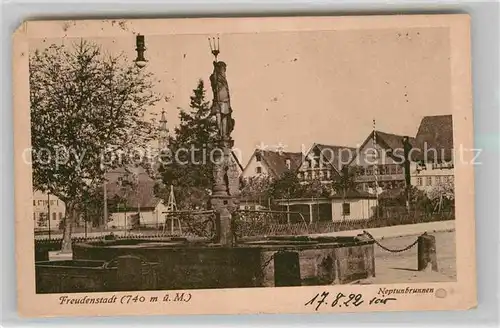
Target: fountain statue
[(225, 193)]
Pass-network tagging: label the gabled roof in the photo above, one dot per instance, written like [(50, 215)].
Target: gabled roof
[(237, 160), (392, 141), (389, 141), (136, 190), (435, 133), (275, 161), (335, 155)]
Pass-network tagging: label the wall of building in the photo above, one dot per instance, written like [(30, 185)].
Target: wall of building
[(315, 166), (122, 220), (360, 209), (390, 174), (40, 210), (433, 176), (251, 168)]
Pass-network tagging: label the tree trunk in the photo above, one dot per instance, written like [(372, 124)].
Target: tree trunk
[(66, 246)]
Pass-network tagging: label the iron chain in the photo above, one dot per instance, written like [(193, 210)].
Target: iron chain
[(392, 250)]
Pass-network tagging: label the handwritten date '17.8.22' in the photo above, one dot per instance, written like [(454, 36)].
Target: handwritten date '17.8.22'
[(342, 300)]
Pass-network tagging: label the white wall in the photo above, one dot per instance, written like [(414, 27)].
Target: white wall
[(431, 177), (156, 216), (251, 169), (361, 209), (57, 210), (151, 218)]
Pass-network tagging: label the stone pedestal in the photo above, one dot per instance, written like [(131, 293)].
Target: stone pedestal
[(225, 196)]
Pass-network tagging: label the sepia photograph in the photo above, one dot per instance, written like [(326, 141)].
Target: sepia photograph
[(324, 159)]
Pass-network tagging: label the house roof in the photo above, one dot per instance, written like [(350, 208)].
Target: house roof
[(393, 141), (237, 161), (435, 133), (276, 160), (354, 194), (139, 193), (389, 141), (335, 155)]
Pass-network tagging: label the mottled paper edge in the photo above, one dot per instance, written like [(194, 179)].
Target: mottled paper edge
[(267, 300)]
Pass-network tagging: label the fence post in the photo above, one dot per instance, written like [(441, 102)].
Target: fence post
[(427, 252)]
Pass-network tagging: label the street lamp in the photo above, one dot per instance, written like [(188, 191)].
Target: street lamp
[(140, 43)]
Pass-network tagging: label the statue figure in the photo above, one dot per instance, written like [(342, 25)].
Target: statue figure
[(221, 104)]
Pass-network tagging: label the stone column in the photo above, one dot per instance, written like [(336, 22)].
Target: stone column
[(225, 196)]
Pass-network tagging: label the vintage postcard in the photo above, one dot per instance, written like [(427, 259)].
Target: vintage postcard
[(244, 165)]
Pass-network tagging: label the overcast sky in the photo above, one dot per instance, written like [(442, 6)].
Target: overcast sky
[(296, 88)]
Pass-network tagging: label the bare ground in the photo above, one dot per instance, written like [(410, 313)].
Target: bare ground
[(402, 267)]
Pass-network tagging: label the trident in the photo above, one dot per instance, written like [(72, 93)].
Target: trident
[(214, 46)]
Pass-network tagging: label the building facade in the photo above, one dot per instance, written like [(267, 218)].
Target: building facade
[(271, 163), (324, 162), (433, 166), (48, 211), (354, 205), (131, 199), (379, 162)]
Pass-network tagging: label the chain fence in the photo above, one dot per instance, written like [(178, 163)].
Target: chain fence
[(399, 250)]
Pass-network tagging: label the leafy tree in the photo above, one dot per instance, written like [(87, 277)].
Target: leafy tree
[(92, 207), (316, 189), (347, 180), (85, 107), (256, 188), (442, 195), (286, 186), (189, 167)]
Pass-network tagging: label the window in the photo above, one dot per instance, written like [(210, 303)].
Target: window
[(428, 181), (34, 216), (399, 169), (438, 180), (34, 202), (258, 157), (346, 209), (369, 170), (419, 182), (258, 170), (54, 217), (60, 216), (381, 170), (288, 163)]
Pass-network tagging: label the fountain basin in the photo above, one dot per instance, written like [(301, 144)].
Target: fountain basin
[(266, 262)]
